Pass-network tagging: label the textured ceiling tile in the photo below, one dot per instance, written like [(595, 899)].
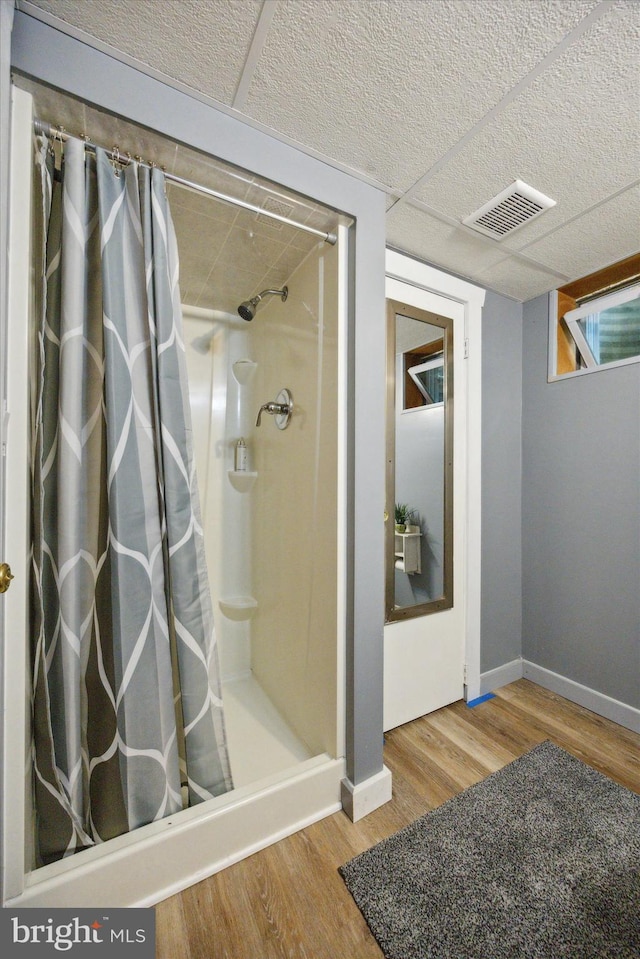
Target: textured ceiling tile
[(519, 280), (222, 291), (201, 44), (387, 86), (199, 237), (595, 240), (414, 231), (194, 204), (574, 134)]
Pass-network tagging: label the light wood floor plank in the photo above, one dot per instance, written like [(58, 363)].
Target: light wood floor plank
[(289, 902)]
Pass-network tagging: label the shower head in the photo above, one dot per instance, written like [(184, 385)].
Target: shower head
[(247, 310)]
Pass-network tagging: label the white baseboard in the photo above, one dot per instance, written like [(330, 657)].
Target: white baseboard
[(621, 713), (358, 801), (500, 676)]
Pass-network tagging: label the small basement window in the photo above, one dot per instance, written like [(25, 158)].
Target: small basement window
[(594, 322)]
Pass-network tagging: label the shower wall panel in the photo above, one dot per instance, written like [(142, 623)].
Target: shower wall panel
[(221, 412), (294, 557)]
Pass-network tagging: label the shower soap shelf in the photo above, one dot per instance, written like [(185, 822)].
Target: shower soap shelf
[(243, 370), (242, 480), (238, 607)]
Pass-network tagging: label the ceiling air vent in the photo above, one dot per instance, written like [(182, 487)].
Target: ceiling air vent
[(279, 207), (509, 210)]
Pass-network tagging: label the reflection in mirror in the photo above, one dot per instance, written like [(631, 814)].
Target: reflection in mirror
[(419, 540)]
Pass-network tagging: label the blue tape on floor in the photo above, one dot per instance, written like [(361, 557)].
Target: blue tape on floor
[(481, 699)]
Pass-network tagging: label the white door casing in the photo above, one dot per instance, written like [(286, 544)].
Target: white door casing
[(16, 790), (433, 660)]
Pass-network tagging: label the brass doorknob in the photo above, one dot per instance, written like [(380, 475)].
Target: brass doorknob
[(5, 577)]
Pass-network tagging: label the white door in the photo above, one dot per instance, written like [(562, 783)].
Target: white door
[(432, 660)]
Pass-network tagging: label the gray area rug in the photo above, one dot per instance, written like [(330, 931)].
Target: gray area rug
[(541, 860)]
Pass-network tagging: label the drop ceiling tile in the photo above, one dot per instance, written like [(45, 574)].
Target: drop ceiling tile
[(224, 290), (574, 134), (387, 86), (601, 237), (519, 280), (249, 250), (414, 231), (289, 261), (199, 236), (187, 201), (256, 224), (212, 173), (203, 45)]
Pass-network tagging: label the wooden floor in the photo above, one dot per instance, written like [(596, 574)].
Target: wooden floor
[(289, 900)]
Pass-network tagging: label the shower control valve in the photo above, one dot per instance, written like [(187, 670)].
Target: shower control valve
[(281, 408)]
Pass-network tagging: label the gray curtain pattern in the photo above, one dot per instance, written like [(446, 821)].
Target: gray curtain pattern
[(127, 706)]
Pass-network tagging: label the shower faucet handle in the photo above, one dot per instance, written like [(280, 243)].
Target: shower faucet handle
[(272, 408), (281, 408)]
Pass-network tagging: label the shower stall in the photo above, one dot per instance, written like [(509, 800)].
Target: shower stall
[(267, 393), (271, 518)]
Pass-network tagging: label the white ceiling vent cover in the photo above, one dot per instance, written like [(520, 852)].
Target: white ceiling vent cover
[(509, 210)]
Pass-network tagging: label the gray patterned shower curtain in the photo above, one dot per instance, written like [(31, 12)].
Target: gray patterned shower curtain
[(127, 706)]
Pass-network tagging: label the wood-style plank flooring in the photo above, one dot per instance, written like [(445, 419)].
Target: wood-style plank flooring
[(289, 902)]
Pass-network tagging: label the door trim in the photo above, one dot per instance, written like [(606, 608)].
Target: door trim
[(16, 791)]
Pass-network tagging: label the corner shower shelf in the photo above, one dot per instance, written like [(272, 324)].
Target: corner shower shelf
[(243, 370), (238, 607), (242, 480)]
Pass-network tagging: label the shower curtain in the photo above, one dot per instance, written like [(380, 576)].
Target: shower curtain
[(127, 710)]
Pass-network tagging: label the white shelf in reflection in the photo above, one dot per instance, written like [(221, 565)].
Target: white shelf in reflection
[(238, 607), (242, 480)]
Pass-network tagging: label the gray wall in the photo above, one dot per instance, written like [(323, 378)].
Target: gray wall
[(501, 626), (581, 520)]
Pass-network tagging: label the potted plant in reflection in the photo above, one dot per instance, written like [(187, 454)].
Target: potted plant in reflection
[(402, 517)]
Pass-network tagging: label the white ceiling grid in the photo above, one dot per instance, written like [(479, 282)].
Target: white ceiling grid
[(441, 103)]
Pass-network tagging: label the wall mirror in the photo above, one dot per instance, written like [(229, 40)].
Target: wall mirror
[(419, 481)]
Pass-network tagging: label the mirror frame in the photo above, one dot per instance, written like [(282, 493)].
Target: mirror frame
[(395, 614)]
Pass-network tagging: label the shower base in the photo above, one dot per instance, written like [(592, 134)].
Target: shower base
[(260, 742), (279, 789)]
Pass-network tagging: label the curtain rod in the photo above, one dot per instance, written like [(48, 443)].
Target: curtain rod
[(59, 133)]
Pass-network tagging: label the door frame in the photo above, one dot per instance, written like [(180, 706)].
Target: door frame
[(416, 276), (16, 791)]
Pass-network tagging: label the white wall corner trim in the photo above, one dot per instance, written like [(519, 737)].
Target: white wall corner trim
[(613, 709), (358, 801), (500, 676)]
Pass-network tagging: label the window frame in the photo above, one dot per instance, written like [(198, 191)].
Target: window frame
[(435, 362), (566, 308)]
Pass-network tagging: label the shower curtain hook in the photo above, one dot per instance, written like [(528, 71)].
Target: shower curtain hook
[(115, 159)]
